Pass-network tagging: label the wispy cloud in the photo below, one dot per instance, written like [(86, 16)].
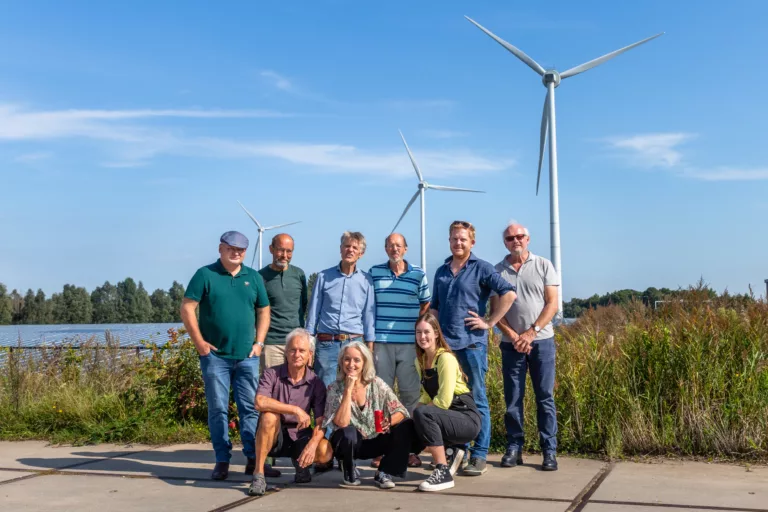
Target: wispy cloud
[(443, 134), (33, 157), (663, 151), (277, 80), (128, 143)]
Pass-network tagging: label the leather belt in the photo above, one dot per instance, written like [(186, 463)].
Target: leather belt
[(321, 336)]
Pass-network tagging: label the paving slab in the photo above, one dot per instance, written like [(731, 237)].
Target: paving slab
[(190, 461), (686, 483), (374, 500), (604, 507), (54, 493), (10, 475), (40, 455)]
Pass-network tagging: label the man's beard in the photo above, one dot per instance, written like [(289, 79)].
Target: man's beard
[(281, 264), (396, 260)]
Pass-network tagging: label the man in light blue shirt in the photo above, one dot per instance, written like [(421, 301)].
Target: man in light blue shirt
[(342, 307)]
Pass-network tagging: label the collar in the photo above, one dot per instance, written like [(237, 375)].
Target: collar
[(282, 373), (219, 267), (472, 257), (357, 269), (507, 264), (408, 266)]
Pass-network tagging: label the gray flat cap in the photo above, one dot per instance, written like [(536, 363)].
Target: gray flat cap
[(235, 239)]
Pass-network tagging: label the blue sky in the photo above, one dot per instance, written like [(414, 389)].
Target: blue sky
[(129, 131)]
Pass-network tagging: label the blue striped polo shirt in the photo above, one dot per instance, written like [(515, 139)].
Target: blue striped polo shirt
[(398, 299)]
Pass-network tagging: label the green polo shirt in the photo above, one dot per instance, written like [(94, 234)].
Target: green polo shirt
[(287, 292), (228, 307)]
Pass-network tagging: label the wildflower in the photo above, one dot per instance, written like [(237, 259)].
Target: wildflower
[(60, 411), (232, 424)]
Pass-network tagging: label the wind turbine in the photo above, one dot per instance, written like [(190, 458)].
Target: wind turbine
[(422, 188), (551, 79), (261, 232)]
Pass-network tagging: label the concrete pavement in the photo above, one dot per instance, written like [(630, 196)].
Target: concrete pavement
[(37, 477)]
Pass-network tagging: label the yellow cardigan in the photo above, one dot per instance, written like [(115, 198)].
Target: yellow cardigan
[(450, 378)]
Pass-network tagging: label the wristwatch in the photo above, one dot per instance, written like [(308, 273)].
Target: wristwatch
[(260, 343), (536, 328)]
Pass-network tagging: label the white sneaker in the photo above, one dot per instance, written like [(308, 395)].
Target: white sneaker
[(383, 480), (439, 480)]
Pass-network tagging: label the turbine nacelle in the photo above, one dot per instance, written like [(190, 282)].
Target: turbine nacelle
[(550, 76)]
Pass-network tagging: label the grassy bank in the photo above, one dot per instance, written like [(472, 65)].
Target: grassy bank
[(690, 379)]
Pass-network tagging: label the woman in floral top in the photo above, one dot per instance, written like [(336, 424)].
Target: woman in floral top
[(349, 412)]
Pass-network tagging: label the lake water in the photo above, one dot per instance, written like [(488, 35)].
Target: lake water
[(126, 334)]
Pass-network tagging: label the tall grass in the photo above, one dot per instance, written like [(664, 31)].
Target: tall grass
[(688, 379)]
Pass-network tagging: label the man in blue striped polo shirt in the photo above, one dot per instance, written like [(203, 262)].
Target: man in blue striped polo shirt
[(402, 295)]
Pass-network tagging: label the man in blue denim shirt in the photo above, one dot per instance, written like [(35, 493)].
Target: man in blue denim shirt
[(461, 291), (342, 307)]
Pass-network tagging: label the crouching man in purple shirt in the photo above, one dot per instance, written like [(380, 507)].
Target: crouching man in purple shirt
[(287, 394)]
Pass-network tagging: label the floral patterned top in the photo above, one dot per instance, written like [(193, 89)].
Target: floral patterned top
[(378, 397)]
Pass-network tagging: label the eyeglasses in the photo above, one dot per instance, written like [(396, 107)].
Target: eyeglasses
[(235, 249), (519, 238), (462, 223)]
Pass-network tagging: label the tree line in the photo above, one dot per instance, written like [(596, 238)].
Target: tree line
[(124, 303)]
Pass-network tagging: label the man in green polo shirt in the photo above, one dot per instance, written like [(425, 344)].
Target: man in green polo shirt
[(229, 336), (287, 291)]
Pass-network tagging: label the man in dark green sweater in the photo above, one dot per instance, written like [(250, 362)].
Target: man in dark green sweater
[(287, 291)]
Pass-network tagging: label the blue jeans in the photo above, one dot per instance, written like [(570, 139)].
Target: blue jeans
[(474, 362), (514, 366), (243, 374), (327, 360)]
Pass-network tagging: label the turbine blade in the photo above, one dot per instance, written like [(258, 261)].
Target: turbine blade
[(596, 62), (455, 189), (416, 195), (513, 49), (249, 214), (281, 225), (543, 137), (413, 161)]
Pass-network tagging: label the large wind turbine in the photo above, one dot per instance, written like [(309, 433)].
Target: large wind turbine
[(261, 232), (551, 79), (423, 186)]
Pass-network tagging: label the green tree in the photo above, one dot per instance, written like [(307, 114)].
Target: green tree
[(105, 304), (45, 307), (176, 292), (72, 306), (17, 306), (311, 287), (30, 314), (6, 307), (162, 306)]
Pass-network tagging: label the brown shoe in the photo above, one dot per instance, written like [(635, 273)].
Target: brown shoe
[(375, 462), (414, 461)]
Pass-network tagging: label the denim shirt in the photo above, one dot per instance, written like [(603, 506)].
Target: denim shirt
[(455, 296), (343, 304)]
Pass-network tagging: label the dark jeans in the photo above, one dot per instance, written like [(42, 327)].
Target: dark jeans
[(541, 363), (243, 375), (474, 361), (445, 427), (395, 446)]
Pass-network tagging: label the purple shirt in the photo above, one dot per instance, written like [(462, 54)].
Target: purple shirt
[(307, 394)]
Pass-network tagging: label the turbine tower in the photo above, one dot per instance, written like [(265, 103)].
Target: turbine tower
[(261, 232), (551, 79), (422, 188)]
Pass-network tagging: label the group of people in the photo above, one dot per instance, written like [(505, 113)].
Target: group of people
[(326, 382)]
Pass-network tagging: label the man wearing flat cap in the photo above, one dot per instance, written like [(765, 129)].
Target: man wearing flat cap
[(229, 336)]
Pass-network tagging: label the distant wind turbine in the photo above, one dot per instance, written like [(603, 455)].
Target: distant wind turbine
[(423, 186), (551, 79), (261, 232)]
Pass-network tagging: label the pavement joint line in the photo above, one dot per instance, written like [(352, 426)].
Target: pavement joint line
[(677, 505), (581, 499)]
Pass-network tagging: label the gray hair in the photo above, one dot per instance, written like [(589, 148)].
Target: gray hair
[(354, 235), (369, 370), (299, 331), (386, 240), (512, 222)]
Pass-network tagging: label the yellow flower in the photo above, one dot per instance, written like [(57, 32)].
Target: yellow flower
[(60, 410)]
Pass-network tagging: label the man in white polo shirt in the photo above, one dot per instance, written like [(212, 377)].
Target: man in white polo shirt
[(528, 344), (402, 295)]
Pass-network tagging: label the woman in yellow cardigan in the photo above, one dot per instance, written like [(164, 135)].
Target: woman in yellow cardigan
[(446, 415)]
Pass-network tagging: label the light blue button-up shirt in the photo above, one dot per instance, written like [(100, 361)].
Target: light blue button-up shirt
[(343, 304)]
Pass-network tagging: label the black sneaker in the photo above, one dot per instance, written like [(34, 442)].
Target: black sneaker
[(271, 472), (550, 462), (439, 479), (455, 456), (350, 476), (220, 471), (258, 485), (476, 467), (513, 457), (303, 475)]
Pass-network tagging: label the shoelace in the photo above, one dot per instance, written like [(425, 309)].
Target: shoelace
[(436, 476), (383, 477)]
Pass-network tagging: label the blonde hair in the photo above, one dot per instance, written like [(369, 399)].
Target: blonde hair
[(369, 370), (354, 235), (462, 224)]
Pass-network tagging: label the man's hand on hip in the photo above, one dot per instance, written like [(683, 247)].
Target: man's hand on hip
[(255, 351), (475, 321), (205, 348)]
